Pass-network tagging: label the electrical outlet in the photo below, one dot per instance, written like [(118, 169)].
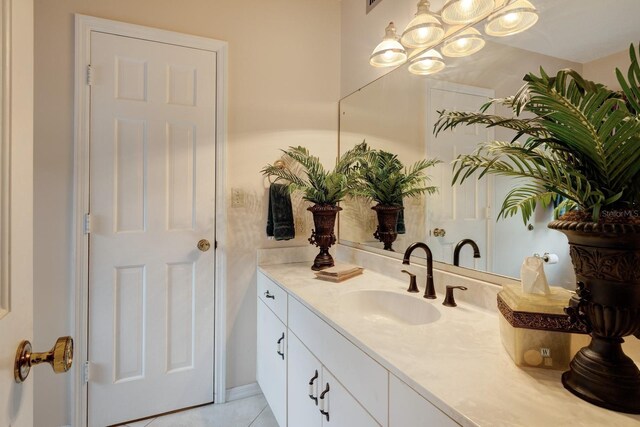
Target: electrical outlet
[(237, 198)]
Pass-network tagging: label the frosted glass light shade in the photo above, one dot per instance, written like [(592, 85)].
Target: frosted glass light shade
[(457, 12), (389, 52), (429, 62), (513, 19), (466, 43), (423, 30)]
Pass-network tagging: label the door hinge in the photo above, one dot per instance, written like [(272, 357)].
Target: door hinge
[(89, 75), (86, 371), (215, 244), (87, 223)]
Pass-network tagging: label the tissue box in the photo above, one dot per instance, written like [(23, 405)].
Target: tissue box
[(535, 330)]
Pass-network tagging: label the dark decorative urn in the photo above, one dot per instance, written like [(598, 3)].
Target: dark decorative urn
[(606, 260), (387, 230), (324, 219)]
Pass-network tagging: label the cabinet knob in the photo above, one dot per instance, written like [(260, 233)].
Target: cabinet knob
[(312, 394), (324, 404), (60, 357), (269, 295)]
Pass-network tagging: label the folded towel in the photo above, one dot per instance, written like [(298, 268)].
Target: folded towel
[(401, 229), (280, 216)]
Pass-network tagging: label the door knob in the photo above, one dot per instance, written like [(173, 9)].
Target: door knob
[(204, 245), (439, 232), (60, 357)]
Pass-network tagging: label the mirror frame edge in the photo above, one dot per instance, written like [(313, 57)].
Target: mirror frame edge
[(483, 276)]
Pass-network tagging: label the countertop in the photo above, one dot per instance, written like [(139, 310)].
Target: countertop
[(458, 362)]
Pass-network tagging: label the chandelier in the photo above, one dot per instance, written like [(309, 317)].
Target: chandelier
[(453, 27)]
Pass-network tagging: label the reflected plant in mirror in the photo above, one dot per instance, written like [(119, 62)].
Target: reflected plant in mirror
[(583, 145), (382, 178)]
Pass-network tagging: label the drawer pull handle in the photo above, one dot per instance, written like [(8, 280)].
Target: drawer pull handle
[(311, 387), (268, 295), (281, 353), (324, 405)]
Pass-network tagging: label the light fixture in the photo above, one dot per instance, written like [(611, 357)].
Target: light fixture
[(515, 18), (389, 52), (457, 38), (429, 62), (465, 43), (457, 12), (423, 30)]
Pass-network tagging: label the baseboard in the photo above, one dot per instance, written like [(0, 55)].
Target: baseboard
[(243, 391)]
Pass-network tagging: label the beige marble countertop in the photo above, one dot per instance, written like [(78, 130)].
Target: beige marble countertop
[(457, 362)]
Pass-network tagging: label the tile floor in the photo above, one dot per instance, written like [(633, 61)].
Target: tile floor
[(249, 412)]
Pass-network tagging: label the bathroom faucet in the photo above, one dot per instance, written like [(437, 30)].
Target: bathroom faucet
[(430, 291), (461, 243)]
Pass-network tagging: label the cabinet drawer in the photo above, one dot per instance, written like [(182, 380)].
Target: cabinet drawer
[(273, 296), (347, 362), (408, 408)]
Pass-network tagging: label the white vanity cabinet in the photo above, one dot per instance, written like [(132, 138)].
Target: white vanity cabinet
[(300, 356), (315, 397), (408, 408), (271, 366)]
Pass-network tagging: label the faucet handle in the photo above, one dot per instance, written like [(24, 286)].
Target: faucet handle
[(413, 287), (449, 301)]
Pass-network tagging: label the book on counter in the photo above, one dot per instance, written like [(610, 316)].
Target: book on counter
[(339, 272)]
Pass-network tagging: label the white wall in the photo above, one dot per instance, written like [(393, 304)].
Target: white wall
[(603, 70), (283, 89)]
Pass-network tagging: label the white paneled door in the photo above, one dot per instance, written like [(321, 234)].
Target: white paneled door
[(152, 169), (463, 211)]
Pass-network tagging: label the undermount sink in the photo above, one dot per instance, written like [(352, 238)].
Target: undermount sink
[(385, 306)]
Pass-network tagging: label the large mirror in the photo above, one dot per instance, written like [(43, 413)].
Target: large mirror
[(397, 112)]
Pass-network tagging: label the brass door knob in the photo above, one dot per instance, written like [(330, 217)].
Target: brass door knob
[(439, 232), (204, 245), (60, 357)]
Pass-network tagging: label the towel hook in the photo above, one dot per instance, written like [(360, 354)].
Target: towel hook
[(278, 164)]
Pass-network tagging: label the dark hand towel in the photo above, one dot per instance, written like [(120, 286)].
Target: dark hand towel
[(401, 229), (280, 216)]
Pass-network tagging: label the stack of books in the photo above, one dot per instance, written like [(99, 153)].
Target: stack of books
[(339, 272)]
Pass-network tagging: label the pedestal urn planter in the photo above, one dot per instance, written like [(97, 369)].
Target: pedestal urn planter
[(324, 220), (387, 230), (606, 260)]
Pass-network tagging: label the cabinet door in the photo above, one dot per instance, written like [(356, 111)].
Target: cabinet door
[(304, 381), (339, 408), (408, 408), (271, 367)]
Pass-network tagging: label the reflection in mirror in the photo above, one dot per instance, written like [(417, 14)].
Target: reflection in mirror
[(397, 112), (4, 157)]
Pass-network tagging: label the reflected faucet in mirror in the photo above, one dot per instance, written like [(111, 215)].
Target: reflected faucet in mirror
[(461, 243), (430, 291)]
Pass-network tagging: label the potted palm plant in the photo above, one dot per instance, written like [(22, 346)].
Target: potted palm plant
[(304, 172), (382, 178), (582, 151)]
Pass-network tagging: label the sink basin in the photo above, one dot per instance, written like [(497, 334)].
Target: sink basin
[(385, 306)]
